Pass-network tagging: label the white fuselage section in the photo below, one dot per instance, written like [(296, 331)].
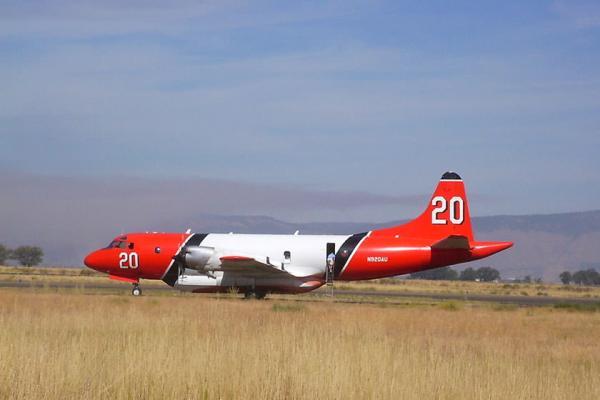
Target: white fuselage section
[(305, 256)]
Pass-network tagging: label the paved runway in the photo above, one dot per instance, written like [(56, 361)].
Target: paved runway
[(518, 300)]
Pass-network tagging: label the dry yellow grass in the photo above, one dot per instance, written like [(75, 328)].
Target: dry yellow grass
[(119, 347), (83, 276), (493, 288), (87, 276)]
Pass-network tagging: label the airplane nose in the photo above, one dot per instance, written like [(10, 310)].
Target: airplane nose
[(92, 260)]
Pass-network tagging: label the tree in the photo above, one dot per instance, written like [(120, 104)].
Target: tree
[(487, 274), (28, 255), (587, 277), (566, 277), (437, 274), (468, 274), (593, 277), (4, 254), (484, 274), (580, 278)]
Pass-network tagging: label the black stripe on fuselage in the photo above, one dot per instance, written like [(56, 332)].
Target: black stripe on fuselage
[(196, 239), (344, 253), (173, 273)]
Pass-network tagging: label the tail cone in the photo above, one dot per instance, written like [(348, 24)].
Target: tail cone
[(485, 249)]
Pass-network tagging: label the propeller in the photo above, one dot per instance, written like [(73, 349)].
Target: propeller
[(180, 261)]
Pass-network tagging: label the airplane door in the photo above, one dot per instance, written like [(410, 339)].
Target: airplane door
[(330, 262)]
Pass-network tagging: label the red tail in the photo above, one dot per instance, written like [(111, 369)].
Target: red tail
[(440, 236), (447, 213)]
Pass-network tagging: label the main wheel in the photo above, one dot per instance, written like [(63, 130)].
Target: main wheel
[(260, 295), (136, 291), (248, 294)]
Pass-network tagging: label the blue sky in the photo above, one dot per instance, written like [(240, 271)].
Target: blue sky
[(344, 96)]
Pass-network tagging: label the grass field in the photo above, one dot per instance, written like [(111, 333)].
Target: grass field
[(465, 287), (88, 276), (72, 345)]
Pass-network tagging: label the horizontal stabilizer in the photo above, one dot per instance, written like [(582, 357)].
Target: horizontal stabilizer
[(452, 242)]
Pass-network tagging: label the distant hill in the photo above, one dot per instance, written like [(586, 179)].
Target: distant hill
[(545, 245)]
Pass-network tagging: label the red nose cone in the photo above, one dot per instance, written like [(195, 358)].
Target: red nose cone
[(93, 260)]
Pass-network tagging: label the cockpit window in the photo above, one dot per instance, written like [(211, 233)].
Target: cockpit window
[(119, 244)]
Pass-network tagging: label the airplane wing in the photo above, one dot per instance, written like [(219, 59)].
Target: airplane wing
[(262, 266), (452, 242)]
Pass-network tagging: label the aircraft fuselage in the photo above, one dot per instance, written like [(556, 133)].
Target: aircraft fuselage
[(256, 263)]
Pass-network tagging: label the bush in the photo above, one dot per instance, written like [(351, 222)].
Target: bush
[(468, 274), (484, 274), (488, 274), (450, 306), (593, 307), (437, 274), (587, 277)]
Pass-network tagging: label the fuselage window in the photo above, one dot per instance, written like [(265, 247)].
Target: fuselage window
[(287, 256)]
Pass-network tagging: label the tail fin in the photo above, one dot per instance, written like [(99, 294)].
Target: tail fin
[(447, 213)]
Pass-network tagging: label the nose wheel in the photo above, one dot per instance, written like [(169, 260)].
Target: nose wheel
[(136, 291)]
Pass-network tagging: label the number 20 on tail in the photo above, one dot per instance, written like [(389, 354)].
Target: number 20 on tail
[(456, 206)]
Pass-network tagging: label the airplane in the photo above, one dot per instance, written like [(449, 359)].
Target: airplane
[(258, 264)]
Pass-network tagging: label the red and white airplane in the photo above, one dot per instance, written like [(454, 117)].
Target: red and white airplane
[(260, 264)]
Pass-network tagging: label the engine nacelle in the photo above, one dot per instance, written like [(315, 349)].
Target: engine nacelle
[(198, 257)]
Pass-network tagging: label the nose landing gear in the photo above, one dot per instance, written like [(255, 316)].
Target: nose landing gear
[(136, 291)]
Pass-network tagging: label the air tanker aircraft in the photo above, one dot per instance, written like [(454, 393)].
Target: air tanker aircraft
[(259, 264)]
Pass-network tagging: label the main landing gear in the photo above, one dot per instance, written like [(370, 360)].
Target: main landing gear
[(136, 291), (259, 295)]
